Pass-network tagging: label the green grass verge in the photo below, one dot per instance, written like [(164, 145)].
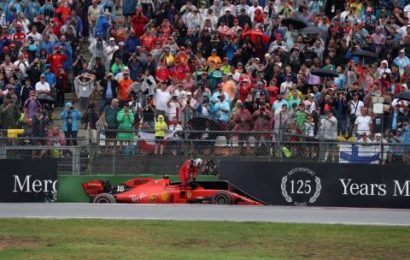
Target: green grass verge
[(119, 239)]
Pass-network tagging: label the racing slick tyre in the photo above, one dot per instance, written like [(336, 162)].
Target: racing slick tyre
[(104, 198), (222, 198)]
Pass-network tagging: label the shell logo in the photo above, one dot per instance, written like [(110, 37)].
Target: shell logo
[(165, 197)]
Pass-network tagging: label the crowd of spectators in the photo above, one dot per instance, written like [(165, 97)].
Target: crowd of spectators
[(234, 62)]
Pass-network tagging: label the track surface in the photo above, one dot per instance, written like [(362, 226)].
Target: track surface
[(278, 214)]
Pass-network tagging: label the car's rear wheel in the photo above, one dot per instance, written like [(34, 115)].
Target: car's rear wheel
[(104, 198), (222, 198)]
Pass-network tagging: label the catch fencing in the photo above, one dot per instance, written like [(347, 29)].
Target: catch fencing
[(145, 154)]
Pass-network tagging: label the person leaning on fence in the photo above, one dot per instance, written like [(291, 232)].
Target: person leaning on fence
[(242, 120), (406, 141), (281, 119), (108, 122), (177, 134), (160, 130), (397, 149), (263, 125), (189, 108), (396, 118), (125, 118), (39, 125), (328, 133), (89, 119), (56, 139), (9, 113), (148, 113), (70, 117), (309, 132), (363, 123), (354, 107)]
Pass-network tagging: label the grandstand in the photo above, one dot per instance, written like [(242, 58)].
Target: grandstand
[(85, 82)]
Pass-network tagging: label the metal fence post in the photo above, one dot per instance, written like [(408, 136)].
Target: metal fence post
[(113, 164), (185, 143), (3, 152), (76, 160)]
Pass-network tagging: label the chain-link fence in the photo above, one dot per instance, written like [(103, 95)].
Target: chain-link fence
[(144, 147), (286, 121), (146, 153), (70, 159)]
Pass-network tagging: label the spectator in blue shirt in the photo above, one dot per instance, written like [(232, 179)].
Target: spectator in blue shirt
[(222, 110), (47, 9), (47, 45), (132, 42), (50, 77), (217, 93), (103, 24), (70, 117), (32, 9), (229, 49)]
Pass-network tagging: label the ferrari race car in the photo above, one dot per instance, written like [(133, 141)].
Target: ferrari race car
[(148, 190)]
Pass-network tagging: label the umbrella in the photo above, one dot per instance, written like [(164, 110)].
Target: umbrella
[(368, 56), (324, 73), (312, 30), (226, 31), (202, 123), (404, 96), (254, 36), (297, 22)]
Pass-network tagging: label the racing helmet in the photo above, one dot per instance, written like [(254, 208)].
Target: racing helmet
[(197, 162)]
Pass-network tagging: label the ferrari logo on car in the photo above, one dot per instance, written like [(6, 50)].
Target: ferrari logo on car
[(165, 197), (153, 198), (188, 194)]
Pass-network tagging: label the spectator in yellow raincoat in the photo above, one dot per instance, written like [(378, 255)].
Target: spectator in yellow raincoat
[(160, 129)]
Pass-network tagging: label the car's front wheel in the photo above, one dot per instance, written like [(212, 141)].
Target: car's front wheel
[(104, 198), (222, 198)]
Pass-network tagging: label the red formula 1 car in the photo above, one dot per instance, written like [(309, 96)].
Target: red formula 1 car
[(148, 190)]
